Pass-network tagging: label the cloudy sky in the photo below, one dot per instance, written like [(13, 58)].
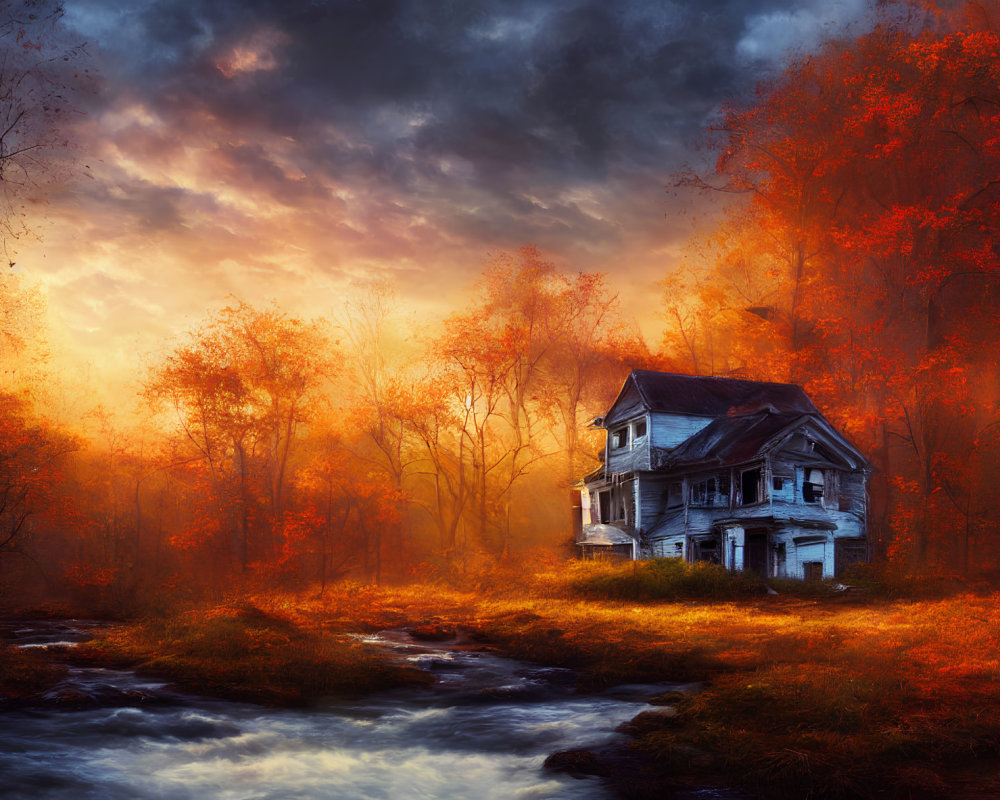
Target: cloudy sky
[(290, 149)]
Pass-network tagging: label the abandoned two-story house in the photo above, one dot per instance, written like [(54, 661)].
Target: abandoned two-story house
[(741, 473)]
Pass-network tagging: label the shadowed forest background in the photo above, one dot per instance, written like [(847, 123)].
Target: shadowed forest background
[(858, 257)]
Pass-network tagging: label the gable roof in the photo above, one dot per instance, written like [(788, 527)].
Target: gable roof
[(702, 396), (730, 441)]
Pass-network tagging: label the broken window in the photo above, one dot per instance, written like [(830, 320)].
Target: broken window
[(701, 493), (640, 429), (812, 486), (710, 492), (750, 486), (619, 438)]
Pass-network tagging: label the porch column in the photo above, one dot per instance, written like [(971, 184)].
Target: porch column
[(733, 541)]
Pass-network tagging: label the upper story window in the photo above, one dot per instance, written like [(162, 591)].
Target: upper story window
[(619, 438), (628, 435), (710, 491), (750, 486), (812, 486)]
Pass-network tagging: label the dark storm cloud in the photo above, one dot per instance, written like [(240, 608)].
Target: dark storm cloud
[(555, 87), (331, 137)]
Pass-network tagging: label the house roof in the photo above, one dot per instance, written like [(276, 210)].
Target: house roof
[(702, 396), (728, 440), (603, 534)]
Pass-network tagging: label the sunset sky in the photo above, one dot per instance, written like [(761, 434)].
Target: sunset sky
[(290, 150)]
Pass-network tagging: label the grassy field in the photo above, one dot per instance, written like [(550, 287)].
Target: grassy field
[(817, 695)]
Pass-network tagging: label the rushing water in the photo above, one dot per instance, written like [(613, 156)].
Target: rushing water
[(481, 732)]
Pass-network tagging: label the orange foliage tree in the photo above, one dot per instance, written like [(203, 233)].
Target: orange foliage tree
[(534, 349), (239, 392), (872, 172), (32, 459)]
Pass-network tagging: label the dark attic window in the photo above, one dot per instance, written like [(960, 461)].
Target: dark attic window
[(640, 428)]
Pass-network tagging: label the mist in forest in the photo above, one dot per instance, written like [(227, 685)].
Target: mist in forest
[(852, 250)]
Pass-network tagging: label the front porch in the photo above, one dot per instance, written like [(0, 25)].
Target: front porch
[(600, 540)]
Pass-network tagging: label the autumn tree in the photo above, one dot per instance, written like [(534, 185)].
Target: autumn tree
[(32, 459), (40, 72), (521, 363), (378, 376), (872, 176), (239, 391)]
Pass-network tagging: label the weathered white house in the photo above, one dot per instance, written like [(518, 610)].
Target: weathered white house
[(741, 473)]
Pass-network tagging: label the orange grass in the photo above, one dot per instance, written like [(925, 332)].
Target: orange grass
[(24, 674), (802, 697), (240, 652)]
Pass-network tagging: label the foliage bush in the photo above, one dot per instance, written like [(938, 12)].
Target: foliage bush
[(661, 579)]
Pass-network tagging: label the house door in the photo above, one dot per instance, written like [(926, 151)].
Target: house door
[(755, 556), (847, 552)]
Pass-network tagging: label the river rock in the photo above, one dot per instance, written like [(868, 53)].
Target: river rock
[(655, 719), (576, 763)]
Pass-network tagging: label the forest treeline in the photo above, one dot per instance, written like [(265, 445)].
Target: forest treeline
[(278, 449), (858, 257)]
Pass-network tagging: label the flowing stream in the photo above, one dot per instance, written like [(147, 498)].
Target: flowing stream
[(481, 732)]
